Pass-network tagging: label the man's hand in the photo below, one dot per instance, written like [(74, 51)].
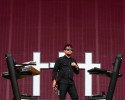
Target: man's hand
[(54, 85), (74, 64)]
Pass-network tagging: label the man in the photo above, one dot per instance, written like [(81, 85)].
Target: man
[(62, 75)]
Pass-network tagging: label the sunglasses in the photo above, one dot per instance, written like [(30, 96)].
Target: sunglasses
[(69, 49)]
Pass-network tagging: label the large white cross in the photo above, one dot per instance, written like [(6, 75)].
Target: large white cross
[(88, 78), (36, 79)]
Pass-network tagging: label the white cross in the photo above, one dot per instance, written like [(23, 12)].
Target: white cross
[(88, 78), (36, 79)]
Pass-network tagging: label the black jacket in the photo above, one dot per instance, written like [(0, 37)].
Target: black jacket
[(63, 71)]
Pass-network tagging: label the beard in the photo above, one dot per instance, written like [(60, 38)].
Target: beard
[(69, 55)]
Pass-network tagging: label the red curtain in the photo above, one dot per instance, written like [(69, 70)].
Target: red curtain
[(44, 26)]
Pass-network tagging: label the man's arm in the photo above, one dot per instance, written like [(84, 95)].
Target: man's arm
[(54, 73), (75, 66)]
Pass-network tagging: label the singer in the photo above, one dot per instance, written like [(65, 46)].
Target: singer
[(63, 72)]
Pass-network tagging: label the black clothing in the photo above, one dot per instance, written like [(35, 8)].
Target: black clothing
[(64, 69), (63, 73), (70, 88)]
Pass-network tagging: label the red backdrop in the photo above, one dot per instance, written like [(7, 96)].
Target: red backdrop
[(28, 26)]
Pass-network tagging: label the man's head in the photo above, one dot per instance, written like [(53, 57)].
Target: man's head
[(68, 49)]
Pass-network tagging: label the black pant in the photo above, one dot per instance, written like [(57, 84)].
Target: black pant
[(70, 88)]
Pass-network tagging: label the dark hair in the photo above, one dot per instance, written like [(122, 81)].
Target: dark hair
[(67, 45)]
